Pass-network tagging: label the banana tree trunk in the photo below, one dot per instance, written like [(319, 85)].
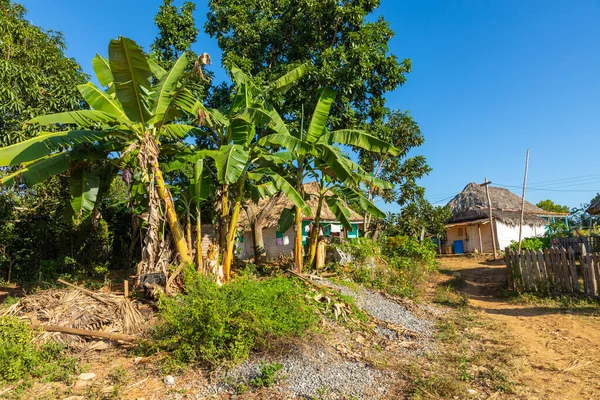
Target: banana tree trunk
[(314, 235), (188, 229), (176, 230), (298, 256), (228, 255), (260, 253), (223, 216), (199, 258)]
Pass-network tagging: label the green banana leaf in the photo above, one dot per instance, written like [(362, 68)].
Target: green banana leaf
[(358, 202), (286, 220), (360, 139), (81, 118), (289, 142), (231, 161), (163, 93), (102, 70), (99, 100), (84, 190), (340, 211), (290, 192), (283, 83), (318, 121), (39, 170), (201, 182), (131, 74), (45, 144)]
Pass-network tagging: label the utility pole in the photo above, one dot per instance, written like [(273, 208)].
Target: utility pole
[(487, 193), (523, 200)]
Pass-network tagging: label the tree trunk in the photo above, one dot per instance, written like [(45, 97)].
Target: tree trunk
[(260, 253), (223, 216), (228, 254), (174, 226), (298, 256), (314, 235), (188, 229), (199, 258)]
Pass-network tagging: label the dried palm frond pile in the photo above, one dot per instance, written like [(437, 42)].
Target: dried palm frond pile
[(82, 310)]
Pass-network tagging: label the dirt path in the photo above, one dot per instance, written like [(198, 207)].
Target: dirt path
[(560, 347)]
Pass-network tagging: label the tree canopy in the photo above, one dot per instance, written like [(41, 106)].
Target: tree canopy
[(349, 53), (36, 77), (549, 205)]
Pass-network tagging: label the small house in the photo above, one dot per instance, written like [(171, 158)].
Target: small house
[(469, 228), (277, 242), (594, 208)]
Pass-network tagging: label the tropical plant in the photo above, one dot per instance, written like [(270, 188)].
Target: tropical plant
[(238, 156), (339, 178), (138, 109)]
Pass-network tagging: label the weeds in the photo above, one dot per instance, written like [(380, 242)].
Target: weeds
[(267, 375), (467, 362), (21, 359), (220, 325)]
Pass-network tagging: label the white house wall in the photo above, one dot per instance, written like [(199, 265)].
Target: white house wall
[(507, 234), (246, 249)]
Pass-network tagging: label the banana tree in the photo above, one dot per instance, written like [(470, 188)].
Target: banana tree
[(240, 161), (318, 156), (138, 107)]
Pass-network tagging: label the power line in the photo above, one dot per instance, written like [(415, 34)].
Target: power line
[(565, 179), (548, 190)]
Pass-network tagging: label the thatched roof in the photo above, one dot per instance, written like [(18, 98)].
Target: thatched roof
[(311, 190), (471, 204), (594, 208)]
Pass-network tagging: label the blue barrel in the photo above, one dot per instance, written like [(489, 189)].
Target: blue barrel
[(458, 247)]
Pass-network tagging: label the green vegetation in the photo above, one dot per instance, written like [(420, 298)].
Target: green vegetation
[(267, 375), (534, 243), (215, 325), (21, 359), (398, 265)]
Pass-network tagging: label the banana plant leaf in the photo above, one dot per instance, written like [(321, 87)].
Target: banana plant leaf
[(84, 190), (340, 211), (318, 121), (286, 220), (39, 170)]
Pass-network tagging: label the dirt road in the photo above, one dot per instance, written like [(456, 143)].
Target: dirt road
[(560, 347)]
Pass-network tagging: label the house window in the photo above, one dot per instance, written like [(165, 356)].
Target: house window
[(461, 232)]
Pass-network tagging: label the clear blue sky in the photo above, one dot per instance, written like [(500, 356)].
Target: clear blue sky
[(490, 79)]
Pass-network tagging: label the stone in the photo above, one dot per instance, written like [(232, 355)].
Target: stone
[(74, 398), (88, 376), (169, 380)]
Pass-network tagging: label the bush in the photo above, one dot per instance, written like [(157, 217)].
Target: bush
[(410, 248), (221, 325), (534, 243), (362, 249), (20, 358)]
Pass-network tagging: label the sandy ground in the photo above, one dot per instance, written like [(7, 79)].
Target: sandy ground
[(560, 347)]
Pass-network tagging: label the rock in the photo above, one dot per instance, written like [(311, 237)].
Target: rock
[(74, 398), (472, 392), (169, 380), (81, 384), (88, 376)]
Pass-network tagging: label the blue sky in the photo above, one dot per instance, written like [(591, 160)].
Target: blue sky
[(490, 79)]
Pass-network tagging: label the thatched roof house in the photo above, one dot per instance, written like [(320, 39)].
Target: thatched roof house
[(470, 218), (283, 242), (594, 208)]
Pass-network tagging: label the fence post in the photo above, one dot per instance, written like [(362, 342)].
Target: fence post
[(573, 268), (584, 270)]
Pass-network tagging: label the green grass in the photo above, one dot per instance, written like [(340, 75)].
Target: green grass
[(563, 302)]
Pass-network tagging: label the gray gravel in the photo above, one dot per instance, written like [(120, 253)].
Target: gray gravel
[(304, 376), (385, 309)]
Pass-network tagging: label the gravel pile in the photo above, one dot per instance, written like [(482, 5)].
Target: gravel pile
[(385, 309), (304, 376)]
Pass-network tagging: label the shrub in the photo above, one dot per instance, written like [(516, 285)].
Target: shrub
[(410, 248), (221, 325), (362, 249), (534, 243), (20, 358)]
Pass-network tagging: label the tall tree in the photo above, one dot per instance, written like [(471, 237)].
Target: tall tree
[(36, 77), (177, 32), (349, 53), (399, 129), (549, 205)]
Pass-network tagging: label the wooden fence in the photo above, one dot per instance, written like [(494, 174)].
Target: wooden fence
[(555, 270), (591, 243)]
